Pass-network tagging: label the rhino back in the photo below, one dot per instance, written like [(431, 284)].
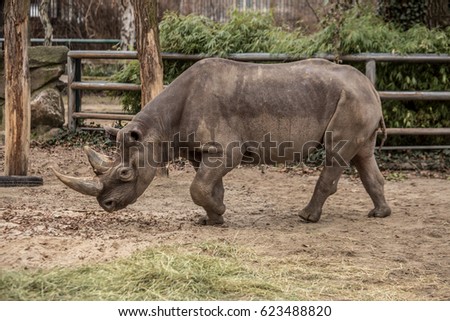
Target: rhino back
[(293, 101)]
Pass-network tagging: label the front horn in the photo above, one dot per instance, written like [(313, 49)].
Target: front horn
[(85, 186), (99, 162)]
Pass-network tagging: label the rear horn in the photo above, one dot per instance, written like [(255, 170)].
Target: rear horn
[(100, 163)]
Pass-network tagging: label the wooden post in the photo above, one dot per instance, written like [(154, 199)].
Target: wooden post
[(148, 48), (17, 88)]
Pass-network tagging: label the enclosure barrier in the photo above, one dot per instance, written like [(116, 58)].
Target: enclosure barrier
[(68, 42), (76, 85)]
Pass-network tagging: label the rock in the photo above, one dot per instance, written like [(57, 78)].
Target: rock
[(47, 108), (44, 75), (39, 77), (43, 133), (406, 166), (43, 56), (53, 133), (46, 65)]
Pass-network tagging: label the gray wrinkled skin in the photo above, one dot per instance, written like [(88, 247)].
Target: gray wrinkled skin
[(221, 102)]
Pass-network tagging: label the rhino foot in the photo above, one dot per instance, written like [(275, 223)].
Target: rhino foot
[(380, 212), (206, 220), (310, 216)]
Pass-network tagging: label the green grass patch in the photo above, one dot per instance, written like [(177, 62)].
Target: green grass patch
[(213, 272), (167, 273)]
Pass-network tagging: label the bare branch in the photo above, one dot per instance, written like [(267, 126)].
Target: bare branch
[(45, 20)]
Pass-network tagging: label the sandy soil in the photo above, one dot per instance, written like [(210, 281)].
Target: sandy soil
[(54, 226)]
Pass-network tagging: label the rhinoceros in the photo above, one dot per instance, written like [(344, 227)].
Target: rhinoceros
[(220, 113)]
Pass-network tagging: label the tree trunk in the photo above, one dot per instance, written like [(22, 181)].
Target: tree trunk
[(17, 88), (128, 29), (438, 13), (147, 43), (45, 20)]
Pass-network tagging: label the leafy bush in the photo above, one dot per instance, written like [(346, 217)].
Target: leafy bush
[(357, 30), (366, 32), (131, 100), (68, 138), (244, 32)]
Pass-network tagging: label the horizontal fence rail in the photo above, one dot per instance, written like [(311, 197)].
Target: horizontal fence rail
[(77, 40), (106, 116), (98, 85), (415, 95), (76, 85), (262, 57), (73, 41)]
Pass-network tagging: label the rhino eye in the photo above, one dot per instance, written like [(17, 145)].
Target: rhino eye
[(135, 135), (126, 174)]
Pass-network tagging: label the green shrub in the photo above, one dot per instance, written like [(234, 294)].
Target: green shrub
[(131, 100), (369, 33), (244, 32), (358, 30)]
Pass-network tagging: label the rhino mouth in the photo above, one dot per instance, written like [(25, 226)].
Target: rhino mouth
[(111, 205)]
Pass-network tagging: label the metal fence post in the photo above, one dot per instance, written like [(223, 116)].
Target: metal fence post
[(74, 95), (77, 78), (71, 122)]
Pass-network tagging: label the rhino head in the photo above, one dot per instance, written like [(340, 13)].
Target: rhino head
[(118, 181)]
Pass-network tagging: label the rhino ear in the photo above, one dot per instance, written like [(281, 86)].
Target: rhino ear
[(111, 132)]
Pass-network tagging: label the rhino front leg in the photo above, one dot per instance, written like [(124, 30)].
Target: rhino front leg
[(325, 186), (209, 195), (207, 188), (207, 191)]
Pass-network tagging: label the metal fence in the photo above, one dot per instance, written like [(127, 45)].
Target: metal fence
[(71, 42), (76, 85)]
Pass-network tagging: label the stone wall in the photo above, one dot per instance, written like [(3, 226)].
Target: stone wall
[(47, 64)]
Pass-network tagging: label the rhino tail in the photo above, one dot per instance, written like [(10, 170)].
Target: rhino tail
[(383, 132)]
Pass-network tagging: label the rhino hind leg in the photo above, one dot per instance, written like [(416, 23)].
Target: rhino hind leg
[(326, 186), (372, 180), (360, 142)]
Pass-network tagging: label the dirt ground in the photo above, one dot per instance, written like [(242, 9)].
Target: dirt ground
[(49, 226)]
